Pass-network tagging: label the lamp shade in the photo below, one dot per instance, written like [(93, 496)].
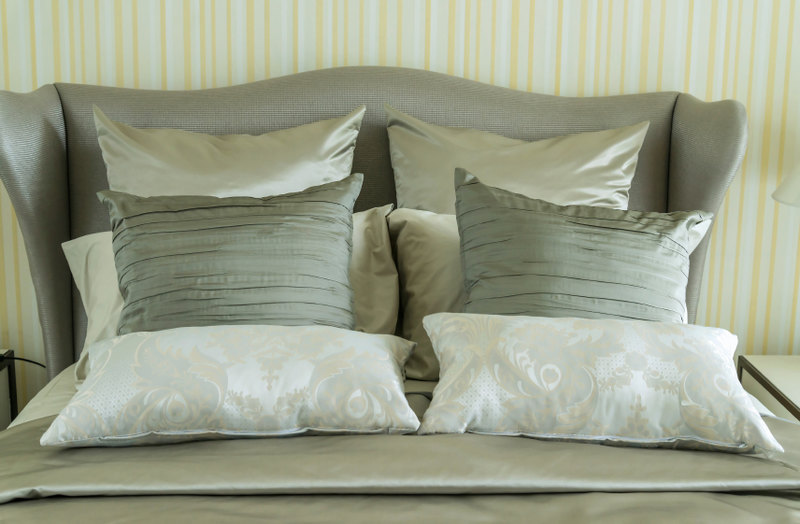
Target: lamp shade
[(788, 192)]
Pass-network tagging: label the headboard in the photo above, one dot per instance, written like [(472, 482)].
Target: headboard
[(52, 167)]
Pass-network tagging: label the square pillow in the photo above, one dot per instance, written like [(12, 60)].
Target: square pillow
[(234, 382), (623, 382), (373, 277), (200, 260), (594, 168), (151, 162), (523, 256)]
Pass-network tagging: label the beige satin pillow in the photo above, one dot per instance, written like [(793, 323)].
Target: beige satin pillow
[(622, 382), (373, 277), (157, 162), (431, 281), (592, 169)]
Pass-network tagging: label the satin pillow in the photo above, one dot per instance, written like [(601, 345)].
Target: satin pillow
[(201, 260), (431, 280), (373, 277), (523, 256), (593, 168), (623, 382), (234, 382), (150, 162)]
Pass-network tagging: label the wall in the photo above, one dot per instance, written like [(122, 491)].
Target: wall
[(747, 50)]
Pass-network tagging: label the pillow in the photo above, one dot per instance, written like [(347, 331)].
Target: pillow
[(523, 256), (373, 274), (150, 162), (589, 168), (431, 281), (236, 381), (199, 260), (373, 277), (620, 382)]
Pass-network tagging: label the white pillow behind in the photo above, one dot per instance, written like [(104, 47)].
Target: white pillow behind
[(373, 276)]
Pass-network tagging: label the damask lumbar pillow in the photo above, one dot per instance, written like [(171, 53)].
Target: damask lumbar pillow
[(236, 381), (625, 382)]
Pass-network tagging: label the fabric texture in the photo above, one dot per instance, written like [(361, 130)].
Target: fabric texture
[(373, 277), (199, 260), (614, 381), (523, 256), (587, 168), (236, 381), (151, 162), (431, 281)]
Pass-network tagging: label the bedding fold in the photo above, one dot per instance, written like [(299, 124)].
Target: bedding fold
[(614, 508), (383, 465)]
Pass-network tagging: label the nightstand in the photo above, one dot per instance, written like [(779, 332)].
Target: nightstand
[(774, 380)]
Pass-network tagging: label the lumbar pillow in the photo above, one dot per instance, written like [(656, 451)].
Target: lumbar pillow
[(619, 382), (373, 277), (523, 256), (236, 381), (150, 162), (199, 260), (588, 168)]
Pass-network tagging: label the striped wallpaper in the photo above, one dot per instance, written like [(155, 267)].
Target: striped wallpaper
[(742, 49)]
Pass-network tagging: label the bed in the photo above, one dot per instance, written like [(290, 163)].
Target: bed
[(52, 167)]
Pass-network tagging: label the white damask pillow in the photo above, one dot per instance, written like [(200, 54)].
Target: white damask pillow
[(234, 382), (624, 382)]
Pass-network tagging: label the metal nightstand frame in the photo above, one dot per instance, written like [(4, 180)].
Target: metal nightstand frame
[(7, 362), (746, 365)]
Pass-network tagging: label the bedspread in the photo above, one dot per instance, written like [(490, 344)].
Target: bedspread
[(396, 475)]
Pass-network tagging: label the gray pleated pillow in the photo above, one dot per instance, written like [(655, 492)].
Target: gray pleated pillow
[(523, 256), (201, 260)]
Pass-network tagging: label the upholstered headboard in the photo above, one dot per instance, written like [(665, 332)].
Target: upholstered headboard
[(51, 164)]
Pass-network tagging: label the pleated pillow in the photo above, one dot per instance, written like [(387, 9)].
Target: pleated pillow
[(523, 256), (201, 260)]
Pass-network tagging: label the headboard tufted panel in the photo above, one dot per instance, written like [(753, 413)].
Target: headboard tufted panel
[(707, 134)]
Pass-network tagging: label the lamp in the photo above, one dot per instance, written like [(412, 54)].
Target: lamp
[(788, 192)]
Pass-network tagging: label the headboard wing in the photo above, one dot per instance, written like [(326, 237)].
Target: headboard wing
[(296, 99), (33, 167), (707, 146)]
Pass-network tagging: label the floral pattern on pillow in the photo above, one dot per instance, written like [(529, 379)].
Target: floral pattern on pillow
[(236, 381), (617, 381)]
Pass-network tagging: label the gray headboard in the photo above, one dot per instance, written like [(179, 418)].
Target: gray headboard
[(51, 164)]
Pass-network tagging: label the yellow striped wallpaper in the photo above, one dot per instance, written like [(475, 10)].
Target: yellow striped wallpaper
[(742, 49)]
